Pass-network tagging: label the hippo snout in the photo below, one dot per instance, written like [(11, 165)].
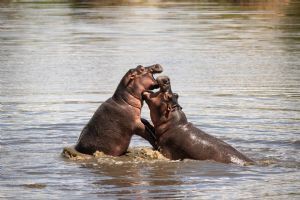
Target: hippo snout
[(157, 68), (163, 80), (164, 83)]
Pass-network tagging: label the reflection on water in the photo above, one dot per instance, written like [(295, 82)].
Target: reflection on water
[(235, 65)]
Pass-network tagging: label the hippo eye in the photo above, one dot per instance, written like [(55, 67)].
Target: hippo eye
[(139, 67)]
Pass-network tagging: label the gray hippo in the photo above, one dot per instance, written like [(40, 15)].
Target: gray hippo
[(179, 139), (116, 120)]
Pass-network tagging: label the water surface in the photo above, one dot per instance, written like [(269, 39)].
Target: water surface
[(234, 64)]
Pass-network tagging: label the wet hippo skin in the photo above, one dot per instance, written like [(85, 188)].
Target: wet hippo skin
[(111, 127), (179, 139)]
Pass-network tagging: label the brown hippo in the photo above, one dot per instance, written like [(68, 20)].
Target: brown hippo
[(115, 121), (179, 139)]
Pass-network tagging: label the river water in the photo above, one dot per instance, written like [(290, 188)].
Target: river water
[(234, 64)]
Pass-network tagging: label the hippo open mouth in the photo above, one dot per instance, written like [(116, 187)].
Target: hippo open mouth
[(162, 82), (154, 69), (155, 86)]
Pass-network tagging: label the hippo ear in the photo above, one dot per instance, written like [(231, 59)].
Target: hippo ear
[(169, 107), (133, 75)]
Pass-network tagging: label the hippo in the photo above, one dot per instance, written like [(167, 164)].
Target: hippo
[(179, 139), (117, 119)]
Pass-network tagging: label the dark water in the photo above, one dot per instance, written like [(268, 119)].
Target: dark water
[(235, 65)]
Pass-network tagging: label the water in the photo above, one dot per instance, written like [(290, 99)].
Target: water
[(235, 65)]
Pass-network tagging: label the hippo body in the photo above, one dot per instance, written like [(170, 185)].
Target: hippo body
[(179, 139), (187, 141), (116, 120)]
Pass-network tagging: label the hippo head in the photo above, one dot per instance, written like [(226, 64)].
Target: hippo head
[(140, 79), (164, 83), (161, 103)]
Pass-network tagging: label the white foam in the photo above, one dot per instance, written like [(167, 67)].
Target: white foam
[(236, 160)]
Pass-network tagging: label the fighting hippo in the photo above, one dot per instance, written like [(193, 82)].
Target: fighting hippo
[(179, 139), (115, 121)]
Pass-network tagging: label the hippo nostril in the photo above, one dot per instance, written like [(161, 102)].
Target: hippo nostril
[(158, 66)]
